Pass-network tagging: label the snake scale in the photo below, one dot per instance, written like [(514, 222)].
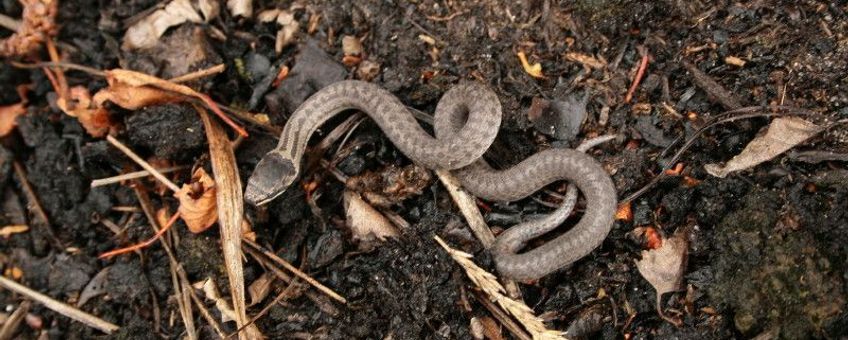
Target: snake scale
[(466, 121)]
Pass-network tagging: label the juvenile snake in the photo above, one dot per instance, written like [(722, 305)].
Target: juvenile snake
[(466, 121)]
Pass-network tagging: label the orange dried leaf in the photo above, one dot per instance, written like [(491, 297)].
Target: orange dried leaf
[(10, 113), (624, 212), (198, 202), (653, 239), (534, 70), (134, 97), (137, 79), (95, 119), (8, 116)]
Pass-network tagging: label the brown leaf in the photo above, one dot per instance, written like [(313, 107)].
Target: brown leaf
[(781, 135), (260, 288), (198, 202), (663, 267), (8, 116), (95, 119), (133, 90), (10, 113), (367, 225)]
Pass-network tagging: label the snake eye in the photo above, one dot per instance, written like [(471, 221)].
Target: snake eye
[(272, 176)]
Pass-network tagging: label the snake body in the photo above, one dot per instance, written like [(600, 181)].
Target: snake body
[(466, 122)]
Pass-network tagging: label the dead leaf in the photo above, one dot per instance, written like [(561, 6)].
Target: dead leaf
[(210, 290), (534, 70), (10, 113), (146, 32), (10, 230), (351, 45), (289, 29), (94, 118), (198, 202), (735, 61), (663, 267), (782, 134), (367, 225), (587, 60), (95, 287), (8, 117), (260, 288), (240, 8), (133, 90)]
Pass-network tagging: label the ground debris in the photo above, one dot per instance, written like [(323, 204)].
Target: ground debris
[(782, 134)]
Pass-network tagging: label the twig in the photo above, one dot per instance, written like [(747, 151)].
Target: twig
[(132, 155), (446, 18), (10, 23), (713, 89), (321, 301), (230, 210), (132, 175), (59, 307), (185, 284), (504, 318), (639, 74), (726, 117), (11, 324), (35, 205), (62, 64), (199, 74), (142, 244), (288, 266)]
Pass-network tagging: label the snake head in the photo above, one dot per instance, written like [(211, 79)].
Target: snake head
[(272, 176)]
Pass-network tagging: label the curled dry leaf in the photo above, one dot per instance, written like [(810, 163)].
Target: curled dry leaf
[(534, 70), (94, 118), (95, 287), (663, 267), (146, 32), (10, 113), (198, 202), (782, 134), (367, 225)]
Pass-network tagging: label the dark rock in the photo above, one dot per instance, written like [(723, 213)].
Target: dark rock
[(313, 70)]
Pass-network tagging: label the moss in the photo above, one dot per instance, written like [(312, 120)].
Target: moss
[(772, 279)]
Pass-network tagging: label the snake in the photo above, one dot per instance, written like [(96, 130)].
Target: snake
[(465, 123)]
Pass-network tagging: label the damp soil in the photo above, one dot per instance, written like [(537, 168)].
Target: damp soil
[(767, 246)]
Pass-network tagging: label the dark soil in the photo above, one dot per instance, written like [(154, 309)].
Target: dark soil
[(767, 245)]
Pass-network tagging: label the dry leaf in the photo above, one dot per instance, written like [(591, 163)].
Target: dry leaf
[(366, 223), (240, 8), (587, 60), (94, 118), (37, 25), (783, 134), (10, 113), (534, 70), (95, 287), (198, 202), (351, 45), (10, 230), (8, 116), (210, 290), (146, 32), (260, 288), (663, 267), (735, 61), (289, 29), (133, 90)]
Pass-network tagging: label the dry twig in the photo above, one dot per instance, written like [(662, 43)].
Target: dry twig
[(230, 210), (59, 306)]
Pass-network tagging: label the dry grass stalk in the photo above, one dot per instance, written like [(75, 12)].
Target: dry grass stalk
[(132, 175), (59, 306), (230, 211), (490, 285), (146, 166)]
